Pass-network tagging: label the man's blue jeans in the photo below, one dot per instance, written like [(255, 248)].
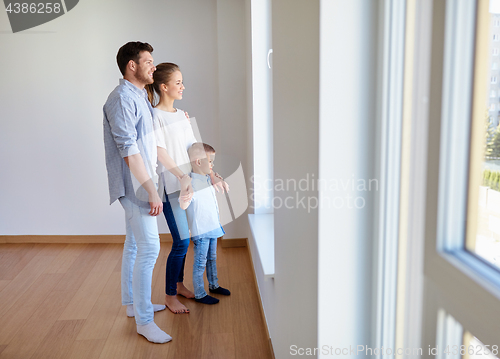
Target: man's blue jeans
[(140, 251), (205, 255), (179, 228)]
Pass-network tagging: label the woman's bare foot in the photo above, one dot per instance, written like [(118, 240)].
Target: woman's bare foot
[(182, 290), (174, 305)]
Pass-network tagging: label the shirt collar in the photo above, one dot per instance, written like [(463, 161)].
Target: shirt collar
[(142, 93), (200, 177)]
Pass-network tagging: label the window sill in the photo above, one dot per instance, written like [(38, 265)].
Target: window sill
[(262, 227)]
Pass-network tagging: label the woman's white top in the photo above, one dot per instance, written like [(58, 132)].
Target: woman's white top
[(174, 133)]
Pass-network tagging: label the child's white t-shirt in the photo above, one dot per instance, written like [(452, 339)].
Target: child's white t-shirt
[(174, 133), (203, 211)]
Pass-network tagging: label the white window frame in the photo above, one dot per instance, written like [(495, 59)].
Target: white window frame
[(412, 232), (393, 39), (453, 277)]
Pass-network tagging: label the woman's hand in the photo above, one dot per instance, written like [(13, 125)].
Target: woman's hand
[(187, 116), (184, 204), (218, 182), (186, 189)]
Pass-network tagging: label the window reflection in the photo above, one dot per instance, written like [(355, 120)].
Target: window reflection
[(484, 203)]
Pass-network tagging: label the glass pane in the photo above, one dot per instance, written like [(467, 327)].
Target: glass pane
[(483, 226), (262, 97)]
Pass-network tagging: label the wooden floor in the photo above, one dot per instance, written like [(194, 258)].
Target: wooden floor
[(63, 301)]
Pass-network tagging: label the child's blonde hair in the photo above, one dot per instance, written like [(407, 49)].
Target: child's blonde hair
[(199, 150)]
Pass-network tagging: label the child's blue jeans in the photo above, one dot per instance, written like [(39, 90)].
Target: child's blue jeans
[(205, 255)]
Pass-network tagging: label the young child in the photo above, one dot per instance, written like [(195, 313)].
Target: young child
[(203, 218)]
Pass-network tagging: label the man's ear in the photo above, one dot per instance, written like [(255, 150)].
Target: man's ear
[(197, 162), (132, 65)]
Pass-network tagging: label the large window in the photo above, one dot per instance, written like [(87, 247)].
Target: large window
[(483, 237), (462, 278), (262, 99)]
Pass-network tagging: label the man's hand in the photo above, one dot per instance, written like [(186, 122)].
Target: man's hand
[(156, 204), (136, 165)]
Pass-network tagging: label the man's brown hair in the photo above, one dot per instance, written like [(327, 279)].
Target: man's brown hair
[(131, 51)]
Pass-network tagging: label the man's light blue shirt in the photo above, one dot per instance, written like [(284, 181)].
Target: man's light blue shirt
[(203, 211), (128, 130)]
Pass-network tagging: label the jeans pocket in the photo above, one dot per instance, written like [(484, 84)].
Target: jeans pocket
[(143, 211), (127, 207)]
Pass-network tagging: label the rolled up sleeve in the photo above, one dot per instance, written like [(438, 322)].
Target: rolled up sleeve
[(122, 119)]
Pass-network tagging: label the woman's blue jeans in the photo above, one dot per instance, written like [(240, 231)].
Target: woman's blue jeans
[(205, 255), (179, 228)]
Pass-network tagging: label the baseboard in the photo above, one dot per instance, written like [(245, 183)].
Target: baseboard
[(260, 303), (164, 237), (233, 242)]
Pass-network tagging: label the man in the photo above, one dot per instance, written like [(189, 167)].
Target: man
[(131, 159)]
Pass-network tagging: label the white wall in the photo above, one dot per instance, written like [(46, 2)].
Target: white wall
[(232, 74), (55, 80), (347, 153), (295, 29)]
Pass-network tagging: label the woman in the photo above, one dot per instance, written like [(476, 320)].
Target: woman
[(174, 136)]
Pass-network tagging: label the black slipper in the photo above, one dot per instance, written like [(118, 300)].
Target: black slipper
[(220, 290), (208, 300)]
